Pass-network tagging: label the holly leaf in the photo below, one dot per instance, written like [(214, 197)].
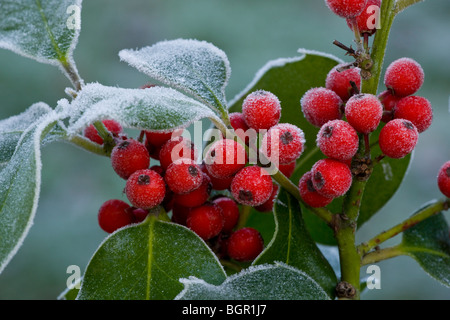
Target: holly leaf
[(264, 282), (429, 244), (195, 67), (293, 245), (146, 260), (46, 31), (11, 129), (20, 181), (155, 108)]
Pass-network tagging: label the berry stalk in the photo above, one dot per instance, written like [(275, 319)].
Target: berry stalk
[(422, 215)]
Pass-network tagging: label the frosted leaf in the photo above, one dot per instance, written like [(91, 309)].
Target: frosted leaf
[(195, 67), (292, 244), (264, 282), (429, 244), (20, 182), (46, 31), (11, 129), (155, 108), (145, 261)]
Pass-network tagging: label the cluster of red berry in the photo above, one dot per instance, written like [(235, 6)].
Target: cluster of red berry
[(343, 114), (184, 187)]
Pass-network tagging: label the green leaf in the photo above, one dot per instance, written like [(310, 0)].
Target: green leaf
[(429, 244), (155, 108), (195, 67), (289, 79), (19, 188), (146, 261), (293, 245), (46, 31), (11, 129), (264, 282)]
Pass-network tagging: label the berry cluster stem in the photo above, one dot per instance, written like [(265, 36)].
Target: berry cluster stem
[(420, 216)]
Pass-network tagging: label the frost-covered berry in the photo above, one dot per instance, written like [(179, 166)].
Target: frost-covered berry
[(217, 184), (364, 112), (443, 179), (177, 148), (145, 189), (309, 194), (346, 8), (283, 143), (114, 214), (129, 156), (196, 197), (206, 220), (230, 212), (404, 77), (388, 100), (112, 125), (158, 138), (240, 127), (261, 110), (331, 178), (268, 205), (366, 21), (225, 158), (337, 139), (320, 105), (416, 109), (287, 168), (251, 186), (183, 176), (398, 138), (340, 81), (245, 244)]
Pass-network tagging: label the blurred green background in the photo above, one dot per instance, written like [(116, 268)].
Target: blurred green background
[(252, 32)]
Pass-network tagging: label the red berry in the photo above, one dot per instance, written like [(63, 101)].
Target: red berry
[(145, 189), (196, 197), (251, 186), (268, 205), (114, 214), (346, 8), (338, 140), (176, 148), (241, 129), (283, 143), (416, 109), (206, 221), (183, 176), (287, 168), (364, 112), (367, 20), (112, 125), (129, 156), (309, 194), (339, 81), (261, 110), (443, 179), (331, 178), (320, 105), (225, 158), (230, 212), (245, 244), (398, 138), (138, 213), (388, 100), (158, 138), (180, 214), (217, 184), (404, 77)]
